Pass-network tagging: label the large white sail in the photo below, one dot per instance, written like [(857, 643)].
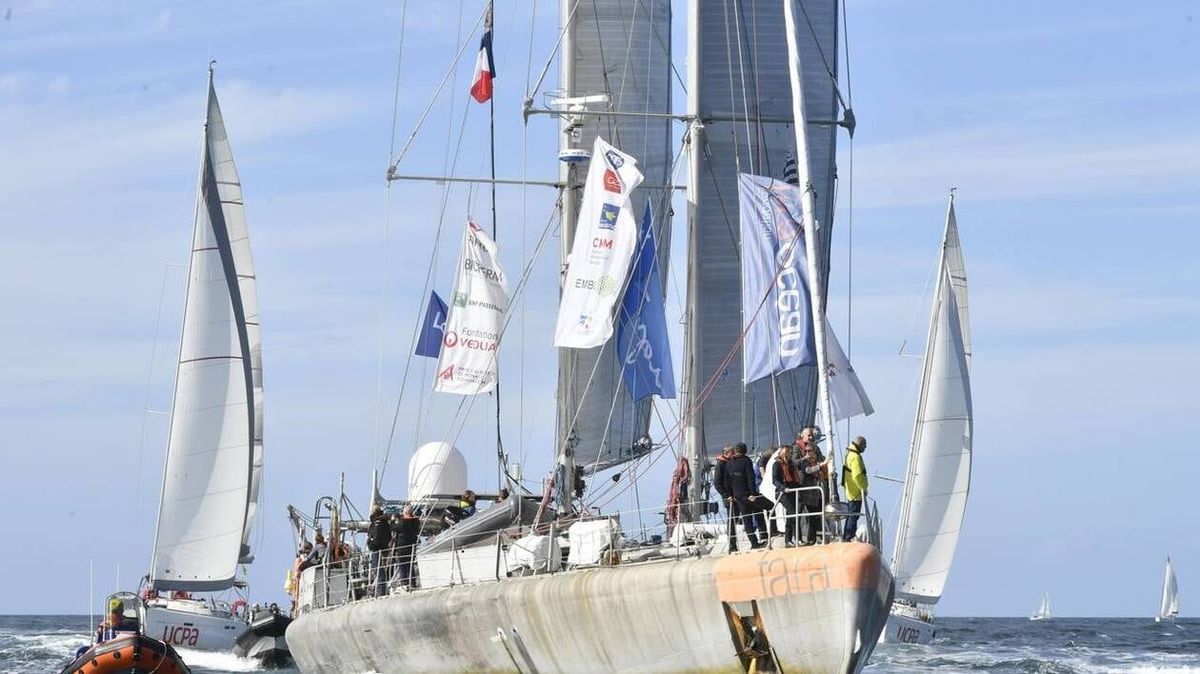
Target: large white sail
[(620, 48), (214, 453), (939, 468), (1169, 607)]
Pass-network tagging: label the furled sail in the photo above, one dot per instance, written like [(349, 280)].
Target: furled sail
[(1169, 607), (621, 48), (214, 452), (939, 465), (741, 91)]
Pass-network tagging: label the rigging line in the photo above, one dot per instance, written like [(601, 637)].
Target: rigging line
[(846, 60), (737, 32), (657, 35), (619, 390), (821, 52), (385, 271), (612, 133), (562, 33), (524, 249), (737, 154), (137, 512), (437, 93), (501, 460), (429, 273), (447, 169), (460, 417), (764, 156)]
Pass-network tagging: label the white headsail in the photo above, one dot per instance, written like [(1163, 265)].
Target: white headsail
[(214, 453), (1169, 607), (939, 464)]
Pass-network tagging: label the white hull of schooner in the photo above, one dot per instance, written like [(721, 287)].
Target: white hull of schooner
[(818, 609)]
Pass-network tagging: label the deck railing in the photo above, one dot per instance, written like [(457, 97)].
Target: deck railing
[(627, 539)]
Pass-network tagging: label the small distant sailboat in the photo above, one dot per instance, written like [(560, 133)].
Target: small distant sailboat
[(1043, 612), (1169, 608)]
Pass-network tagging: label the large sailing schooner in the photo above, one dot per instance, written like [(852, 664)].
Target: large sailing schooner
[(214, 460), (548, 582), (938, 479)]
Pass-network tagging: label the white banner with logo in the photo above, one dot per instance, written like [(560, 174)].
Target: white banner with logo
[(467, 363), (605, 237)]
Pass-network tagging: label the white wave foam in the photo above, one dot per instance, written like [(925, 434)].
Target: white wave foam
[(223, 662)]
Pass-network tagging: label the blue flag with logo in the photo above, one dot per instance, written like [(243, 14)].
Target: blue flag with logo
[(775, 300), (429, 344), (642, 328)]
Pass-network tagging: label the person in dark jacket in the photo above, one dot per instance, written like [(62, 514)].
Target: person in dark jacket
[(379, 543), (747, 504), (406, 529), (785, 477), (718, 480)]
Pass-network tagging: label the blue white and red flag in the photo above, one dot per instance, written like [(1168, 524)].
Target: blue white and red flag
[(485, 65)]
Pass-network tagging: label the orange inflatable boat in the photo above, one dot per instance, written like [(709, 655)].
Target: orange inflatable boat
[(128, 654)]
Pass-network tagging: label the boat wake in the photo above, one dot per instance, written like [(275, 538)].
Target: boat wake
[(218, 662)]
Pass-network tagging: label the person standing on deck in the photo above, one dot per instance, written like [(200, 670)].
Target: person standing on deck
[(744, 497), (718, 481), (854, 477), (786, 479), (379, 541)]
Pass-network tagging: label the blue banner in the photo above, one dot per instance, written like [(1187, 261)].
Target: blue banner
[(642, 327), (775, 302), (429, 344)]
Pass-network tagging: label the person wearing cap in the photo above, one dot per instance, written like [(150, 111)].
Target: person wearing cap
[(379, 541), (116, 622), (854, 478)]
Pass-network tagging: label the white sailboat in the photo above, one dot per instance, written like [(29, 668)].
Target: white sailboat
[(1043, 611), (214, 460), (939, 464), (1168, 608), (551, 584)]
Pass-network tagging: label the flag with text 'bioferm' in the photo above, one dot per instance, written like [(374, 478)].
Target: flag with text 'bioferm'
[(429, 344), (605, 236), (467, 364), (485, 65), (642, 325)]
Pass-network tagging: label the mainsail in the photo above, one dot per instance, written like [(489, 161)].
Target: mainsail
[(214, 452), (620, 48), (939, 464), (1169, 607), (739, 89)]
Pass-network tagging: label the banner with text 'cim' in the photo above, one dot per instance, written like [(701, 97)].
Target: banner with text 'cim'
[(605, 237), (467, 364)]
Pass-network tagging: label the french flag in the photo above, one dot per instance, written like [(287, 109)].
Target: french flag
[(485, 65)]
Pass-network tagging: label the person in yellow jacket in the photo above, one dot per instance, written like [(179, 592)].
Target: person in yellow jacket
[(854, 479)]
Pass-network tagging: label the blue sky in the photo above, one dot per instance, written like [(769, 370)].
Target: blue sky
[(1069, 130)]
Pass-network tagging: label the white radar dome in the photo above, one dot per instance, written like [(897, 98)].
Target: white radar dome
[(436, 468)]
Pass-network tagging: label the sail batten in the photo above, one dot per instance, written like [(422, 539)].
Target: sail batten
[(939, 469), (214, 450)]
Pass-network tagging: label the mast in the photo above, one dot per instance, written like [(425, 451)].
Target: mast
[(815, 285), (926, 364), (569, 213), (693, 436)]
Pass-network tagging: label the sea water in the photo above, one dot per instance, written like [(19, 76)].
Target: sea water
[(41, 644)]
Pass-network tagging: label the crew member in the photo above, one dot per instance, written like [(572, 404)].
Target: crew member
[(379, 542), (747, 503), (854, 478), (786, 480)]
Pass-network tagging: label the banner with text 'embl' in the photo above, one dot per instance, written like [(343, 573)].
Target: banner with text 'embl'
[(467, 364), (605, 237)]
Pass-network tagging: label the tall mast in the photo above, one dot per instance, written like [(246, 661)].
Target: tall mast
[(693, 436), (569, 213), (910, 473), (816, 297)]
